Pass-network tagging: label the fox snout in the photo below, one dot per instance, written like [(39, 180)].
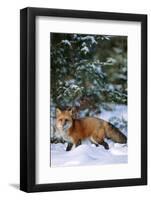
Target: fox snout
[(64, 125), (65, 122)]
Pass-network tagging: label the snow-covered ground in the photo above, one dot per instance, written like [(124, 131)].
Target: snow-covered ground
[(89, 154)]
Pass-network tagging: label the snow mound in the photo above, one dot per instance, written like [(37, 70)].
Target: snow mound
[(119, 149), (87, 154)]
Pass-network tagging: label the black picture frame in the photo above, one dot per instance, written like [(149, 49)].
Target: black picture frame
[(28, 99)]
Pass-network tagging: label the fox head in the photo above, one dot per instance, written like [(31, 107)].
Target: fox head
[(63, 119)]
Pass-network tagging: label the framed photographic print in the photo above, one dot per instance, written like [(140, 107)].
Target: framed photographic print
[(83, 99)]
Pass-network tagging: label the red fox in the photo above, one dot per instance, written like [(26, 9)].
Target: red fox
[(96, 130)]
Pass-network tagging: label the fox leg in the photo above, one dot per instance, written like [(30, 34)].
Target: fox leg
[(101, 142), (94, 142), (98, 138), (71, 146), (105, 144), (76, 144)]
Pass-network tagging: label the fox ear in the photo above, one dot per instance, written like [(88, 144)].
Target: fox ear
[(71, 111), (58, 111)]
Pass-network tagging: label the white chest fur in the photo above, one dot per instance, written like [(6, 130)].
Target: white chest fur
[(64, 135)]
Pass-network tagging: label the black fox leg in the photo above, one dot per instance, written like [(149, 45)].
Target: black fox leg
[(72, 146), (76, 144), (69, 146), (105, 144), (95, 143)]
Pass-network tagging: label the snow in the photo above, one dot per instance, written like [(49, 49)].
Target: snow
[(111, 60), (91, 38), (67, 42), (87, 153), (85, 49)]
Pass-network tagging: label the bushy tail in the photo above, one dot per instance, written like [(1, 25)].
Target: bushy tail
[(114, 134)]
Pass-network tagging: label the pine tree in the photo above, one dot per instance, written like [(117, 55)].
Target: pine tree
[(88, 70)]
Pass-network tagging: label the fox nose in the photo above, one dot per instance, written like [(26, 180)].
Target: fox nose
[(65, 121)]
